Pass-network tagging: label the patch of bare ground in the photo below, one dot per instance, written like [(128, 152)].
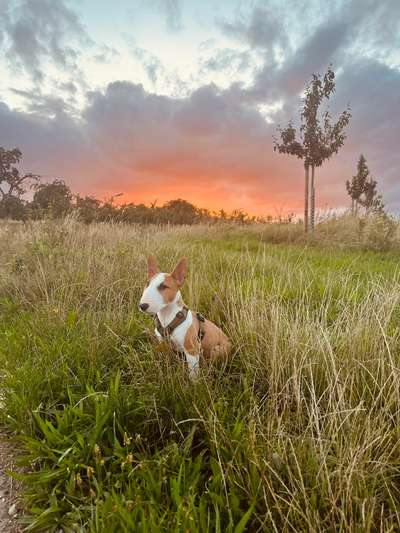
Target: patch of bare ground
[(10, 503)]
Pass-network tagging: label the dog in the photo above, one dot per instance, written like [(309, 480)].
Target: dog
[(188, 332)]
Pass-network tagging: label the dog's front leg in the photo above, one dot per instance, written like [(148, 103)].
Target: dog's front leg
[(193, 365)]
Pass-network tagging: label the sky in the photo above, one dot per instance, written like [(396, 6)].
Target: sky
[(165, 99)]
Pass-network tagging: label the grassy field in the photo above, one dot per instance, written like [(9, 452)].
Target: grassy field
[(300, 431)]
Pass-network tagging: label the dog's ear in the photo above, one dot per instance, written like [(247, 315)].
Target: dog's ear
[(180, 271), (152, 266)]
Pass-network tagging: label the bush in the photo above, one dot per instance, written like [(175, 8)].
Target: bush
[(13, 207), (51, 199), (380, 232)]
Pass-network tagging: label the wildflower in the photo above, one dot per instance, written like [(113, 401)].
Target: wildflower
[(78, 479), (89, 471)]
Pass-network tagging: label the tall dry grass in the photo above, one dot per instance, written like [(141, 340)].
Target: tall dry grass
[(298, 432)]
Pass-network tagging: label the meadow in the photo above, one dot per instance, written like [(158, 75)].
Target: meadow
[(299, 431)]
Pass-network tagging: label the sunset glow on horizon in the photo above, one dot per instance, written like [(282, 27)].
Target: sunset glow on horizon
[(211, 201), (166, 99)]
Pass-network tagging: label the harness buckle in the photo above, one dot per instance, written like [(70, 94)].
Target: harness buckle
[(200, 317)]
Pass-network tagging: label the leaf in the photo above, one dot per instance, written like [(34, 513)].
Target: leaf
[(240, 527)]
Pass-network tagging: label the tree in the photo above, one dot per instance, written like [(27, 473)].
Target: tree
[(53, 199), (372, 201), (356, 187), (13, 184), (319, 137), (289, 145), (363, 190), (88, 208), (322, 137), (180, 212)]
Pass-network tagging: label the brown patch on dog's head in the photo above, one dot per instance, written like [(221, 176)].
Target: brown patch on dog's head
[(168, 288)]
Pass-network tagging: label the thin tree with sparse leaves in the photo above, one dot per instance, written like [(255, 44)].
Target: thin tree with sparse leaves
[(290, 145), (356, 186), (319, 137), (363, 191)]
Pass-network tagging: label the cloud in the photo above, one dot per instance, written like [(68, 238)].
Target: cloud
[(45, 104), (105, 54), (152, 65), (227, 60), (332, 35), (172, 10), (320, 49), (69, 87), (52, 147), (263, 29), (36, 31), (374, 92), (4, 19), (160, 77)]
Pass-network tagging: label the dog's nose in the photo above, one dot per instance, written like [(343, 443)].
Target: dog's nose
[(143, 307)]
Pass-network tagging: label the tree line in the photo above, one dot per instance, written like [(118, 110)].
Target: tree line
[(56, 200)]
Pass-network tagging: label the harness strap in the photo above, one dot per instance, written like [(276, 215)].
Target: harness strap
[(201, 332), (166, 331), (180, 317)]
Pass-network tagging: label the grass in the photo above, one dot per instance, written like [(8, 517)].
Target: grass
[(300, 431)]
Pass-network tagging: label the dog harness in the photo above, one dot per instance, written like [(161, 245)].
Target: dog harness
[(180, 317)]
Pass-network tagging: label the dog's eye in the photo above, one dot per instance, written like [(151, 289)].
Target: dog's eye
[(162, 287)]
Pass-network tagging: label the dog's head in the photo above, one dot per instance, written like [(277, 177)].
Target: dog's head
[(162, 288)]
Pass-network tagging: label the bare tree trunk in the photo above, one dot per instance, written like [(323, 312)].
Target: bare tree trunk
[(352, 206), (306, 194), (312, 210)]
